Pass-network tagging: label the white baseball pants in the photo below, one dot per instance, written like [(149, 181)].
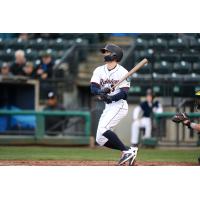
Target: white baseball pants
[(111, 116)]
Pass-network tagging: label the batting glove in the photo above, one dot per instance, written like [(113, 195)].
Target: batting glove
[(106, 98)]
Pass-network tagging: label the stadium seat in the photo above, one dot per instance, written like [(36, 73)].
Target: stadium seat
[(192, 56), (140, 44), (192, 77), (56, 44), (138, 90), (2, 44), (158, 44), (38, 44), (147, 36), (183, 90), (195, 44), (7, 56), (179, 44), (16, 44), (149, 54), (166, 36), (162, 67), (182, 67), (31, 55), (170, 55), (146, 69), (196, 67)]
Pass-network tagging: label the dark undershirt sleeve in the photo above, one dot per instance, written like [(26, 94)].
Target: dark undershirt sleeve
[(95, 88), (121, 95)]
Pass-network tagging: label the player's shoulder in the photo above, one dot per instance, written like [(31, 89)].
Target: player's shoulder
[(123, 69), (99, 69)]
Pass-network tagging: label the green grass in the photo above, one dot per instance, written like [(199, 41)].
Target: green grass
[(74, 153)]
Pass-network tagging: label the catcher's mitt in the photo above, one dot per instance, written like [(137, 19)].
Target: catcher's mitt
[(180, 117)]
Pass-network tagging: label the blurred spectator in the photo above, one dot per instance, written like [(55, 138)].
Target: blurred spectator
[(23, 36), (54, 123), (142, 117), (20, 61), (28, 70), (45, 69), (5, 71)]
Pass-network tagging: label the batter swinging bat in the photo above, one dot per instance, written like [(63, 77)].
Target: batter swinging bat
[(132, 71)]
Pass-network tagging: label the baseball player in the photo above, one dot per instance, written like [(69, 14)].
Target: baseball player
[(116, 107), (184, 119), (142, 115)]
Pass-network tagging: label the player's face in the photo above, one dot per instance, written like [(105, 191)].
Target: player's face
[(149, 98), (52, 102)]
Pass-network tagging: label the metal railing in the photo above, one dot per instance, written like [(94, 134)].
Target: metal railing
[(167, 116), (40, 135)]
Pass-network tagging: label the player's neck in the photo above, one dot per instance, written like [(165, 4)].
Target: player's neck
[(111, 65)]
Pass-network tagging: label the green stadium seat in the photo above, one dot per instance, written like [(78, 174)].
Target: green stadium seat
[(137, 90), (196, 67), (178, 44), (182, 67), (194, 44), (162, 67), (31, 55), (38, 44), (170, 56), (191, 56), (140, 44), (56, 44), (183, 91), (166, 36), (149, 54), (16, 44), (7, 56), (158, 44), (2, 44), (146, 69), (147, 36)]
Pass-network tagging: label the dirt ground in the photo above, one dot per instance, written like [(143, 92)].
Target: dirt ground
[(86, 163)]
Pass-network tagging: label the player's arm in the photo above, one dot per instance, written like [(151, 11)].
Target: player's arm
[(192, 125), (122, 94), (96, 89), (95, 84)]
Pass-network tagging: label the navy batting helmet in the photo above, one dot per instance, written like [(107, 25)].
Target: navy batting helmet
[(116, 52)]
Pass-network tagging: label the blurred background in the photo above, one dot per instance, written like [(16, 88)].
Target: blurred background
[(45, 86)]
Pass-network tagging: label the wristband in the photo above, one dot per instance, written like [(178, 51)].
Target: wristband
[(192, 125)]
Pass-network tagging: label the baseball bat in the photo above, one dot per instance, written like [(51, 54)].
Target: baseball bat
[(132, 71)]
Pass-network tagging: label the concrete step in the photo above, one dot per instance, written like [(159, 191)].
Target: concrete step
[(124, 40)]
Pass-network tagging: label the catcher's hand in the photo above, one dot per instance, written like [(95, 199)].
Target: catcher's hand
[(180, 117)]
